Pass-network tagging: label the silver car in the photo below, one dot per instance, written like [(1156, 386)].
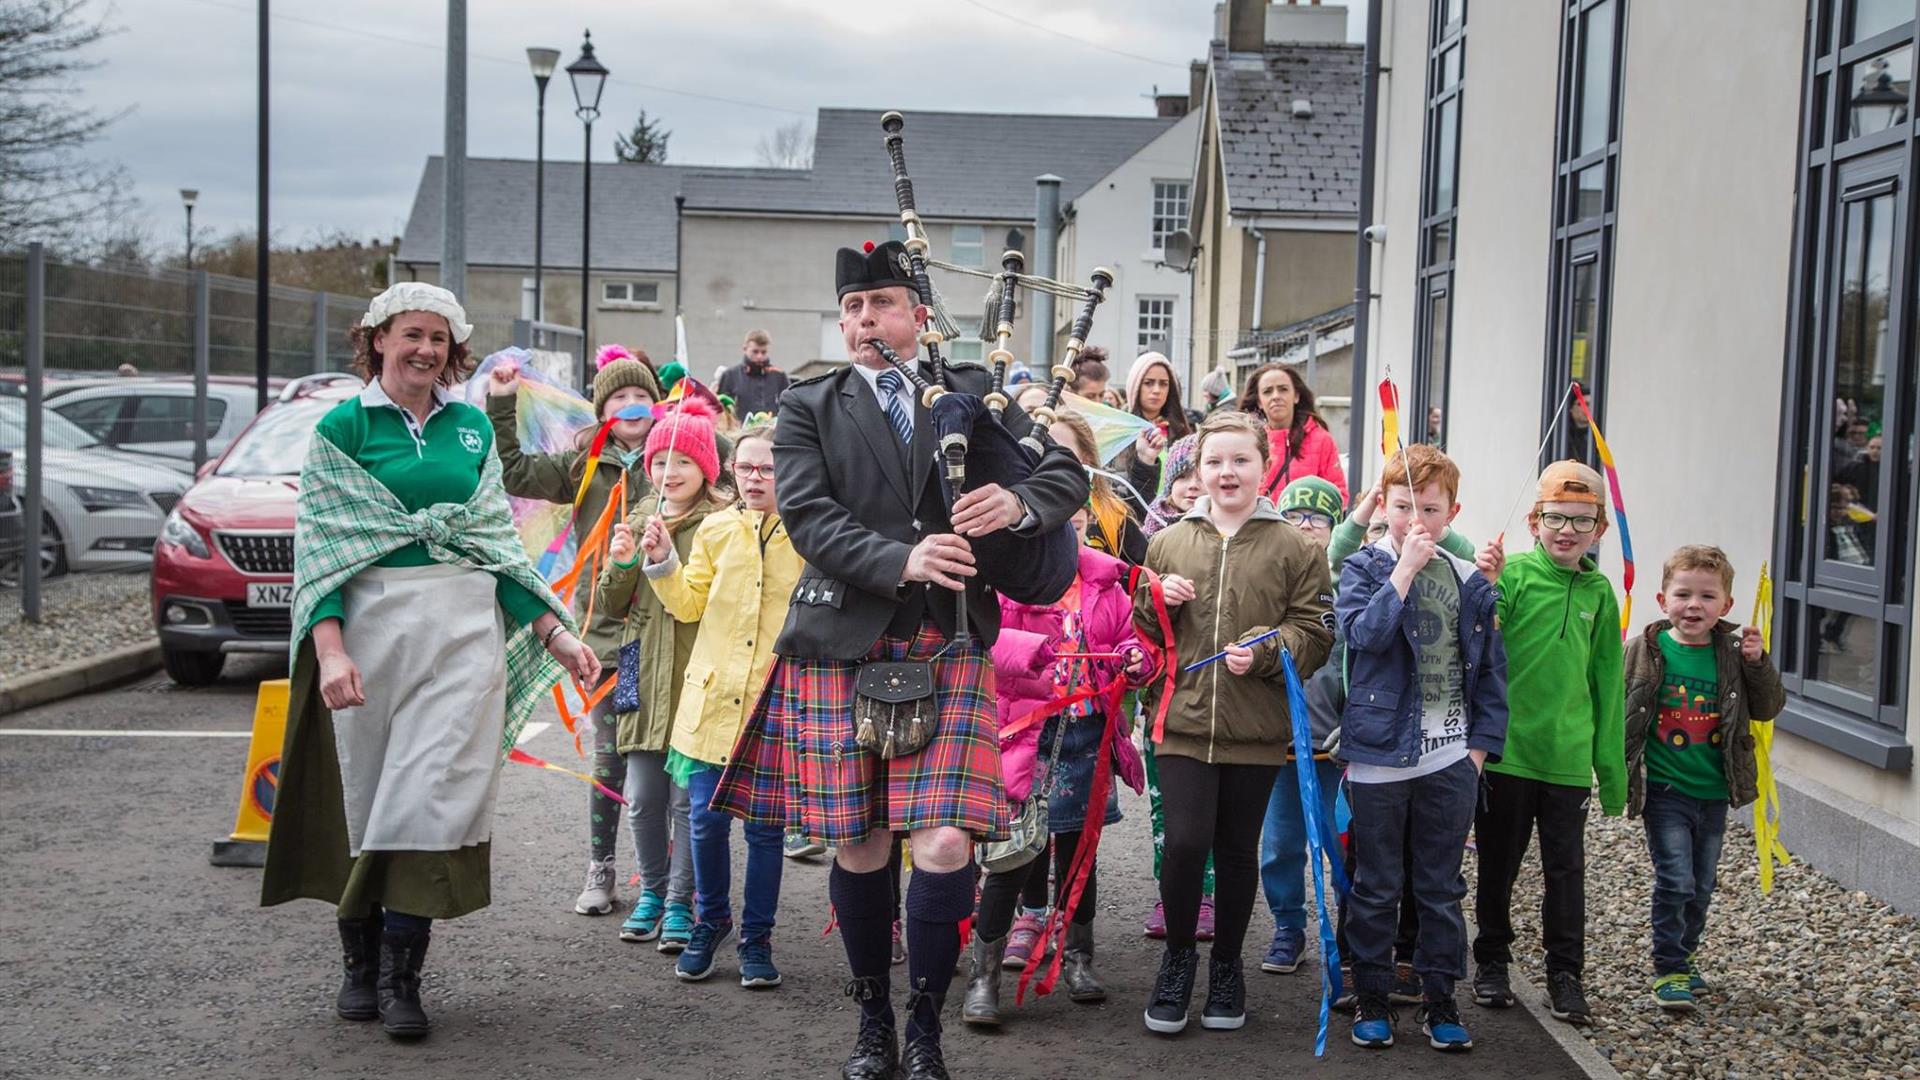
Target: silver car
[(154, 416), (101, 508)]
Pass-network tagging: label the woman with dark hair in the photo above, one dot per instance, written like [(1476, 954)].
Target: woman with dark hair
[(423, 639), (1090, 373), (1297, 435), (1153, 393)]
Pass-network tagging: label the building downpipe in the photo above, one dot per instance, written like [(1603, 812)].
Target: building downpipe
[(1363, 256), (1046, 243)]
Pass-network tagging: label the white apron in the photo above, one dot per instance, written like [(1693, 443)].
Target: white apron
[(420, 761)]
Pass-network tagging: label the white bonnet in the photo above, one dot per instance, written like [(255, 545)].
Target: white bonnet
[(419, 296)]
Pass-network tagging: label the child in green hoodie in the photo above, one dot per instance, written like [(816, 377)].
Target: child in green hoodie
[(1566, 726)]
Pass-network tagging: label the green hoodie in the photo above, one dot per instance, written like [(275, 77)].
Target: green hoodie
[(1566, 697)]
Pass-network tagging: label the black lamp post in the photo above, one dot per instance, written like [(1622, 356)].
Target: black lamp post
[(589, 77), (542, 61), (188, 196), (1877, 105)]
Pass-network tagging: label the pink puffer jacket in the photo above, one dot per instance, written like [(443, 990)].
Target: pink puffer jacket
[(1023, 659)]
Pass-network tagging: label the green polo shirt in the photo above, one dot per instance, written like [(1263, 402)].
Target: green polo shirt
[(422, 464)]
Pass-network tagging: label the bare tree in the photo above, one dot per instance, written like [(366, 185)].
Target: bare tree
[(789, 146), (49, 190)]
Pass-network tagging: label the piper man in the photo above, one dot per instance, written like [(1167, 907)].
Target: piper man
[(858, 486)]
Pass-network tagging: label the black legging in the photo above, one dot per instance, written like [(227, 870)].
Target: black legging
[(1217, 809), (1001, 892)]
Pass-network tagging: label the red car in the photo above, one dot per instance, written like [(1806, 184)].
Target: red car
[(223, 566)]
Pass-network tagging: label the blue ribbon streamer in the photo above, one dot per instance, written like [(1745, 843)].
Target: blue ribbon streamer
[(1317, 849)]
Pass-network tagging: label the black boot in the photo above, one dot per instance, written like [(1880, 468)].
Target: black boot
[(924, 1060), (402, 952), (1172, 991), (1076, 966), (360, 964), (876, 1053), (982, 1006)]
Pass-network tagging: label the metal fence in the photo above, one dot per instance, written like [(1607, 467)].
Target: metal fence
[(113, 456)]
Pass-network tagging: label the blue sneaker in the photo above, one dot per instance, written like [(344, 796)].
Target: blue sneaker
[(643, 923), (1672, 992), (1283, 956), (756, 965), (1441, 1021), (676, 928), (1372, 1022), (1696, 982), (703, 946)]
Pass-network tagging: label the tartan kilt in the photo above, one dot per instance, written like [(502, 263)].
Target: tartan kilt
[(796, 764)]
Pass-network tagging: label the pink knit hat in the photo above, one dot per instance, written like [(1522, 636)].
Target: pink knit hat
[(688, 429)]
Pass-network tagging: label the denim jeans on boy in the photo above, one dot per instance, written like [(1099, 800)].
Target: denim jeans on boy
[(1684, 837), (713, 863), (1283, 843), (1429, 816)]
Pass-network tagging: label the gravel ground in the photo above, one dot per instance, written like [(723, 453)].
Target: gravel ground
[(1809, 981), (83, 614)]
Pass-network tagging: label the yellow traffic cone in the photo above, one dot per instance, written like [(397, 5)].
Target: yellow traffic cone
[(248, 844)]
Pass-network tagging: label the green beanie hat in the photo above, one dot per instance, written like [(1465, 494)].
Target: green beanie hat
[(671, 372), (619, 369), (1315, 494)]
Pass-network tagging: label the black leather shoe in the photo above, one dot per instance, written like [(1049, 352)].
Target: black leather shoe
[(876, 1053), (924, 1060), (402, 953), (360, 969)]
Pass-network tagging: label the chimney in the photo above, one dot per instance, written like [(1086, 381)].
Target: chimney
[(1196, 83), (1312, 23), (1169, 105), (1246, 25)]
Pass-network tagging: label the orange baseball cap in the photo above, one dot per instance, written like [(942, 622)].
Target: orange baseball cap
[(1571, 481)]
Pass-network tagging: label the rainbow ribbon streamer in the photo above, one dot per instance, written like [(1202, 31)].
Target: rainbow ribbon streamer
[(521, 757), (1389, 418), (1113, 429), (1619, 511), (1766, 809), (1316, 829)]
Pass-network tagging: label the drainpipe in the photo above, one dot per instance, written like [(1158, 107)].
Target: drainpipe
[(1259, 273), (679, 253), (1046, 238), (1363, 255)]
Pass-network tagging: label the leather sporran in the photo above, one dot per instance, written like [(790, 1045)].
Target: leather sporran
[(894, 711), (1027, 833)]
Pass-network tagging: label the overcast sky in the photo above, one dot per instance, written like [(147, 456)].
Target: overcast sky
[(358, 85)]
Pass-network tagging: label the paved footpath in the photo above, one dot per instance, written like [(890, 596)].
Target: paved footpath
[(124, 953)]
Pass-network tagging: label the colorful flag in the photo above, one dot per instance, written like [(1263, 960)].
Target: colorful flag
[(1113, 429), (1389, 418), (1619, 510)]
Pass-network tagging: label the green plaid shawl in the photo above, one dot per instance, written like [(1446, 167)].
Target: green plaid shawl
[(346, 521)]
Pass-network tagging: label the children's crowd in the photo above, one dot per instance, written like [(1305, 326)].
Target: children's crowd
[(1458, 698)]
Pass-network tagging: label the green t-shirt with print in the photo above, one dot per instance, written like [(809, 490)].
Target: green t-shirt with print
[(1685, 750)]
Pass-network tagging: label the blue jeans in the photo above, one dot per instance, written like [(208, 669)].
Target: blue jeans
[(713, 863), (1428, 816), (1684, 837), (1283, 843)]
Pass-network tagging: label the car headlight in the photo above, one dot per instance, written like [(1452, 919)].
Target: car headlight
[(95, 499), (180, 534)]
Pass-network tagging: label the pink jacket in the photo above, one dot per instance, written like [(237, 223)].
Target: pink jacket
[(1318, 455), (1023, 659)]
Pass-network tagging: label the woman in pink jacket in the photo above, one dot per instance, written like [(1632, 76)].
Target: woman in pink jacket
[(1301, 445), (1033, 669)]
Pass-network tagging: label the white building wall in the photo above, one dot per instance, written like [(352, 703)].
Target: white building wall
[(1112, 227)]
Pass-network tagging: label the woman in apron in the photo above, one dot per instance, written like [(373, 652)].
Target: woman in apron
[(423, 639)]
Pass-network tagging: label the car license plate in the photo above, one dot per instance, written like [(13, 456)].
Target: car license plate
[(277, 595)]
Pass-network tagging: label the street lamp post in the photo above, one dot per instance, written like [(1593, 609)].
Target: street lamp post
[(188, 196), (589, 78), (542, 61)]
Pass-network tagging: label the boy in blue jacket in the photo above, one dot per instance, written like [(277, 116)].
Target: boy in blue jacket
[(1426, 709)]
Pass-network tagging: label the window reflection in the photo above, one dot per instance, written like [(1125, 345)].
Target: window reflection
[(1870, 17), (1845, 650), (1878, 90), (1437, 316), (1859, 381), (1583, 311), (1596, 80)]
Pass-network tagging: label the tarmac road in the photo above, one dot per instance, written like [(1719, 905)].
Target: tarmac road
[(124, 953)]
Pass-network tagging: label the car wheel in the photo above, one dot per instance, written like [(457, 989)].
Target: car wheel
[(53, 549), (192, 668)]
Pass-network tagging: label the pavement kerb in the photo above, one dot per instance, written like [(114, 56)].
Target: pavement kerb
[(78, 677), (1578, 1050)]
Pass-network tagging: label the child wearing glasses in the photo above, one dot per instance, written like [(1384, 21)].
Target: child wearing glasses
[(733, 585), (1567, 702)]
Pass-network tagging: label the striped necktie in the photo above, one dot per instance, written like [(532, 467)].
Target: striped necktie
[(891, 384)]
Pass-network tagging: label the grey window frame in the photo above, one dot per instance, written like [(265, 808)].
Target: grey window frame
[(1141, 315), (1173, 222), (1834, 171), (1434, 279), (1577, 240)]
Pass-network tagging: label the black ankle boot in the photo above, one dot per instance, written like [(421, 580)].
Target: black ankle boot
[(876, 1053), (360, 968), (923, 1058), (1076, 966), (402, 952)]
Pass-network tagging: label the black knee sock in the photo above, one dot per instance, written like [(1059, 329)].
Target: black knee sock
[(397, 920), (863, 904), (936, 902)]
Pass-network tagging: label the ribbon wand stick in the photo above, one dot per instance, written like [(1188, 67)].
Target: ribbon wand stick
[(1247, 644)]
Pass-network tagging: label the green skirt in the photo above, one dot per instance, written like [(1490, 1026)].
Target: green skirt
[(307, 842)]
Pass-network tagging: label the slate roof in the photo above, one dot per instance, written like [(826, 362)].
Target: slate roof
[(1275, 163), (964, 165)]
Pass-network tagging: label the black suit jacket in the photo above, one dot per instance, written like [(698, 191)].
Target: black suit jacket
[(855, 506)]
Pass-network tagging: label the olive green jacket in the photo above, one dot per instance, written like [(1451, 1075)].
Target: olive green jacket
[(666, 645)]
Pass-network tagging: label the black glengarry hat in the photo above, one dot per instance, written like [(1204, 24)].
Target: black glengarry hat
[(880, 266)]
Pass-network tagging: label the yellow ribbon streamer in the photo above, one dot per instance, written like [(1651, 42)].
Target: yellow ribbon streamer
[(1766, 808)]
